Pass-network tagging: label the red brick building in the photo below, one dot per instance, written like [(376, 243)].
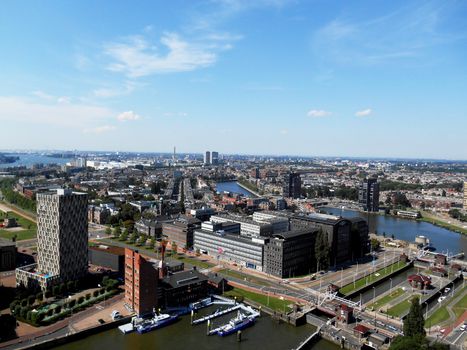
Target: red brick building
[(141, 283)]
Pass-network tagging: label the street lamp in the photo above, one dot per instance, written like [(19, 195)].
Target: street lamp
[(390, 288), (374, 294)]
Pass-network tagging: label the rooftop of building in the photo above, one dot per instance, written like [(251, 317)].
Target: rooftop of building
[(184, 278), (109, 249), (6, 243), (294, 233)]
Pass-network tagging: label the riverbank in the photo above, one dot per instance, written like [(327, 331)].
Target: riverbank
[(426, 217), (407, 230), (248, 189)]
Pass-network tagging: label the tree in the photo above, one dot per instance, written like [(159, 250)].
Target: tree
[(31, 299), (414, 322), (39, 297), (70, 286), (58, 309), (72, 303), (117, 231), (88, 296), (80, 300), (404, 343), (174, 248), (108, 231), (374, 244), (24, 312), (322, 251), (95, 294)]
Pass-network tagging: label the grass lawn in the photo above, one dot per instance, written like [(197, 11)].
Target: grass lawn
[(29, 228), (399, 309), (436, 317), (386, 299), (192, 261), (461, 305), (442, 314), (242, 276), (435, 221), (377, 275), (274, 303)]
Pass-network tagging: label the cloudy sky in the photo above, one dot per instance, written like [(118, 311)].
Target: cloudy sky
[(336, 78)]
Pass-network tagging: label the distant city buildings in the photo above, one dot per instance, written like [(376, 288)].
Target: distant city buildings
[(292, 186), (465, 195), (62, 240), (207, 158), (211, 158), (368, 195)]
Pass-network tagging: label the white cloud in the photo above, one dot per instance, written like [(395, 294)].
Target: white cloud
[(407, 34), (20, 109), (128, 116), (106, 92), (43, 95), (100, 129), (136, 57), (364, 112), (318, 113)]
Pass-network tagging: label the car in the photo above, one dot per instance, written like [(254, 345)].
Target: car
[(463, 327), (442, 330), (440, 299), (447, 290)]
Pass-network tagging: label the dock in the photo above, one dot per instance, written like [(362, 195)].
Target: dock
[(216, 314), (126, 328)]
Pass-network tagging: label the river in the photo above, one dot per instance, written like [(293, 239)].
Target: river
[(29, 159), (265, 334), (234, 187), (442, 239)]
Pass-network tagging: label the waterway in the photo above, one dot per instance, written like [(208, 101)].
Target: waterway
[(442, 239), (265, 334), (29, 159), (234, 187)]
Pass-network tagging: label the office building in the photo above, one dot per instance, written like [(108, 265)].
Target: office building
[(292, 186), (207, 158), (248, 227), (185, 287), (244, 251), (7, 255), (181, 230), (142, 293), (62, 240), (107, 257), (214, 158), (292, 253), (368, 195), (279, 224)]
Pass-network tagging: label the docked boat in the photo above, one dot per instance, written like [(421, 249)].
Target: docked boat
[(201, 304), (158, 321), (236, 324)]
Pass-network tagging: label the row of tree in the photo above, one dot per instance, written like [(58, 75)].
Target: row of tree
[(6, 187)]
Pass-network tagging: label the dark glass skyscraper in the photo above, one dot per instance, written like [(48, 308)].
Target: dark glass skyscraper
[(292, 185), (368, 194)]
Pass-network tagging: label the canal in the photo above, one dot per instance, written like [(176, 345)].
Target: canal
[(265, 334), (234, 187), (442, 239)]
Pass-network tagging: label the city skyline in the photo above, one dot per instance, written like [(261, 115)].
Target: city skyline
[(259, 77)]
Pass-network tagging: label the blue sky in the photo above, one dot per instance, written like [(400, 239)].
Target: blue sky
[(326, 78)]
